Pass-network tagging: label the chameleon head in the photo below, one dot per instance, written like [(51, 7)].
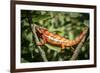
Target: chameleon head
[(40, 29)]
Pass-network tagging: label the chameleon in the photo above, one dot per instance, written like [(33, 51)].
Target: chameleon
[(55, 39)]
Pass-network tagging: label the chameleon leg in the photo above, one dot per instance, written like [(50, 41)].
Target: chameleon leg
[(40, 43), (43, 41), (62, 46)]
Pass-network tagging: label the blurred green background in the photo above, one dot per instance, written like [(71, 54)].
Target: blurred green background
[(67, 24)]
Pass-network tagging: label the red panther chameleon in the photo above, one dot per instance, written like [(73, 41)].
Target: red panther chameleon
[(54, 39)]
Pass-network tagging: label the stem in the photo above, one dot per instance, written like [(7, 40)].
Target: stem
[(78, 48), (54, 55), (37, 40)]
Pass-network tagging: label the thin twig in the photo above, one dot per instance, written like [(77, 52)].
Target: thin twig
[(32, 27), (37, 40), (76, 52)]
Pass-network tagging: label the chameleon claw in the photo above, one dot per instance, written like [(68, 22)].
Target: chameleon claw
[(39, 44)]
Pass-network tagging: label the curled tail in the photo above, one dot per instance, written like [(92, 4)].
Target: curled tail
[(77, 40)]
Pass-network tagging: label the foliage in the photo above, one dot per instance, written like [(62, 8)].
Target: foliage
[(66, 24)]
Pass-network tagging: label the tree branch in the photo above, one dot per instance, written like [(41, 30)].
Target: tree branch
[(77, 50), (37, 40), (32, 27)]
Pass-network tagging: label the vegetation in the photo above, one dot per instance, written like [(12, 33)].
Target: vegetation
[(67, 24)]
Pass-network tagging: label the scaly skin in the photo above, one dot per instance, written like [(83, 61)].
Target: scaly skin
[(55, 39)]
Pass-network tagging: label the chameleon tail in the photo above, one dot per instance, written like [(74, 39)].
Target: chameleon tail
[(78, 39)]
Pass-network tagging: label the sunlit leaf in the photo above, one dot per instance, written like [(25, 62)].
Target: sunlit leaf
[(55, 48)]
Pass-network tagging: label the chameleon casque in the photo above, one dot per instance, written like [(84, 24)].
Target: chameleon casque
[(54, 39)]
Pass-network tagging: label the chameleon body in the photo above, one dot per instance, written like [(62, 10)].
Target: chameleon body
[(54, 39)]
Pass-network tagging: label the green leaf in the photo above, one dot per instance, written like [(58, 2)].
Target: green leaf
[(74, 14), (40, 17), (23, 60), (55, 48), (29, 37), (71, 35)]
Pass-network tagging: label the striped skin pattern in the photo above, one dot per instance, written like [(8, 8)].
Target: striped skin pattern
[(55, 39)]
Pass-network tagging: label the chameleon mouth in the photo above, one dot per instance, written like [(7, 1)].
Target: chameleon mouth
[(36, 27), (40, 29)]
